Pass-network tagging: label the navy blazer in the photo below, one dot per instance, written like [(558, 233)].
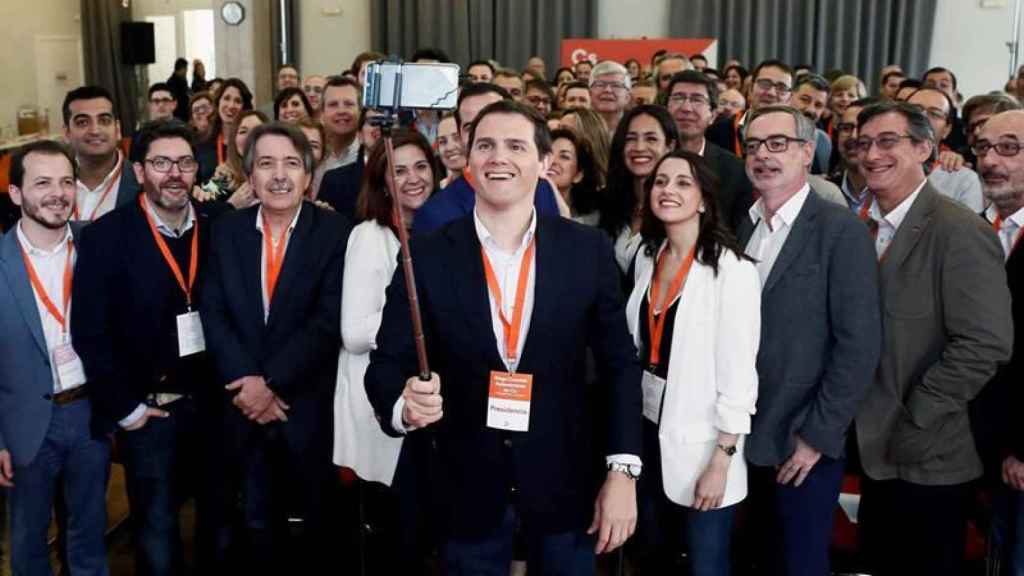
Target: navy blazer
[(26, 378), (296, 350), (340, 187), (735, 192), (821, 334), (578, 303), (458, 199)]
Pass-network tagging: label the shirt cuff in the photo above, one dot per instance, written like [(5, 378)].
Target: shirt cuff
[(396, 417), (627, 459), (132, 418)]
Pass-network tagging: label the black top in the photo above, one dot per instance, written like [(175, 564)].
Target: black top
[(665, 351)]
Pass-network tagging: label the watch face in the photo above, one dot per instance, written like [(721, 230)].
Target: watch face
[(233, 13)]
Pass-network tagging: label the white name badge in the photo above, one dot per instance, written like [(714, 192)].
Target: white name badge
[(654, 390), (190, 334), (70, 372), (508, 401)]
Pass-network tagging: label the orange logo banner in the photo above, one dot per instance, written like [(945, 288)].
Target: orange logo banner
[(621, 50)]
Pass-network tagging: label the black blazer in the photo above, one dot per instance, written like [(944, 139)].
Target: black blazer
[(122, 286), (735, 192), (578, 303), (821, 334), (340, 187), (296, 350)]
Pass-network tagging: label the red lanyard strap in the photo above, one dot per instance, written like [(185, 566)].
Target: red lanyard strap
[(656, 324), (33, 278), (512, 328), (193, 264)]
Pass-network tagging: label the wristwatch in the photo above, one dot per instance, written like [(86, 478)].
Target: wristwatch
[(630, 470), (729, 450)]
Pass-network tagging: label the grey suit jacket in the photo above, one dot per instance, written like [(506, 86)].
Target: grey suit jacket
[(947, 326), (820, 333), (26, 380)]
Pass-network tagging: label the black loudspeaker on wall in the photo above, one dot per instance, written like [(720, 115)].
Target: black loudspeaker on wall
[(137, 45)]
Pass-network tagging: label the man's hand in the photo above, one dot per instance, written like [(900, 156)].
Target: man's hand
[(614, 512), (253, 398), (950, 161), (149, 413), (423, 402), (6, 469), (799, 464), (274, 412), (1013, 473), (242, 197), (710, 489)]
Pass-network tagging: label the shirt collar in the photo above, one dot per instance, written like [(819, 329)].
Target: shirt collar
[(895, 217), (487, 239), (107, 178), (1017, 217), (33, 251), (259, 218), (787, 212), (163, 228), (847, 187)]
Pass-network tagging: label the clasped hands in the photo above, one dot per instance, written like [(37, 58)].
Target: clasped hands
[(257, 401)]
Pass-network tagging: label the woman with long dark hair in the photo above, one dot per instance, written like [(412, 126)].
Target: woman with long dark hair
[(695, 315), (574, 174), (644, 135)]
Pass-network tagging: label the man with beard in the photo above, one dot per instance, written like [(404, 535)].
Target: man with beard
[(46, 443), (811, 97), (995, 417), (92, 129), (271, 308), (138, 329)]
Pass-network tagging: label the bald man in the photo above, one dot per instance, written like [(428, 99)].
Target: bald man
[(996, 421)]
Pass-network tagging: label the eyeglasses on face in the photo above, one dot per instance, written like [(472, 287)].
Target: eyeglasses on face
[(607, 85), (774, 144), (162, 164), (1006, 148), (695, 100), (886, 141), (765, 84)]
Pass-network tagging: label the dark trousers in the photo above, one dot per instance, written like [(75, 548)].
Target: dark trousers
[(792, 526), (565, 554), (81, 463), (1008, 528), (908, 528)]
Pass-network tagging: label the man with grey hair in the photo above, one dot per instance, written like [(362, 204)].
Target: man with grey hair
[(947, 329), (270, 312), (819, 342), (609, 92), (668, 66)]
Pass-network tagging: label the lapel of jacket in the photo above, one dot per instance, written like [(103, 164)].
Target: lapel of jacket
[(805, 223), (471, 286), (250, 251), (17, 276), (909, 233), (548, 284), (744, 230), (294, 258)]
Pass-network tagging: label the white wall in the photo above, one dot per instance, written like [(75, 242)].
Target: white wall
[(23, 21), (632, 18), (332, 33), (971, 41)]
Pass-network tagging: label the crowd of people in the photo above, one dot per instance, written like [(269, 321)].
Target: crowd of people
[(666, 309)]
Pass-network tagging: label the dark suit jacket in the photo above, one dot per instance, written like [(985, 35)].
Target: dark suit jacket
[(122, 288), (947, 327), (578, 303), (340, 187), (296, 350), (820, 333), (735, 190)]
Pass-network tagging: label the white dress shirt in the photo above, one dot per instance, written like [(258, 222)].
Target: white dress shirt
[(90, 199), (286, 237), (962, 185), (49, 266), (890, 223), (1009, 229), (768, 237)]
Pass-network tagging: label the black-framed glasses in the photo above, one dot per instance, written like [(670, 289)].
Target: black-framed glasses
[(695, 100), (162, 164), (780, 87), (1006, 148), (161, 100), (774, 144), (883, 141)]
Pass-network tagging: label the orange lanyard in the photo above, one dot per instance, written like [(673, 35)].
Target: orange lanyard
[(828, 129), (469, 177), (37, 285), (866, 207), (220, 149), (736, 132), (512, 328), (106, 192), (997, 225), (274, 257), (656, 324), (193, 264)]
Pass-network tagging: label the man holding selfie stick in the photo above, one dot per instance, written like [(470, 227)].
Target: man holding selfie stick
[(510, 301)]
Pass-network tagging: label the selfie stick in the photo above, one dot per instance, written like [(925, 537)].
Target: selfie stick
[(386, 123)]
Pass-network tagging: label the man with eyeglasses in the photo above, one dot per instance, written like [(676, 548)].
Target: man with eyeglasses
[(947, 328), (610, 86), (944, 80), (161, 102), (820, 323), (995, 419), (692, 100), (539, 96), (772, 84), (962, 184), (138, 331), (848, 177)]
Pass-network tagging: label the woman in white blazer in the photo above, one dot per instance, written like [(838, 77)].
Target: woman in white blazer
[(370, 261), (698, 349)]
